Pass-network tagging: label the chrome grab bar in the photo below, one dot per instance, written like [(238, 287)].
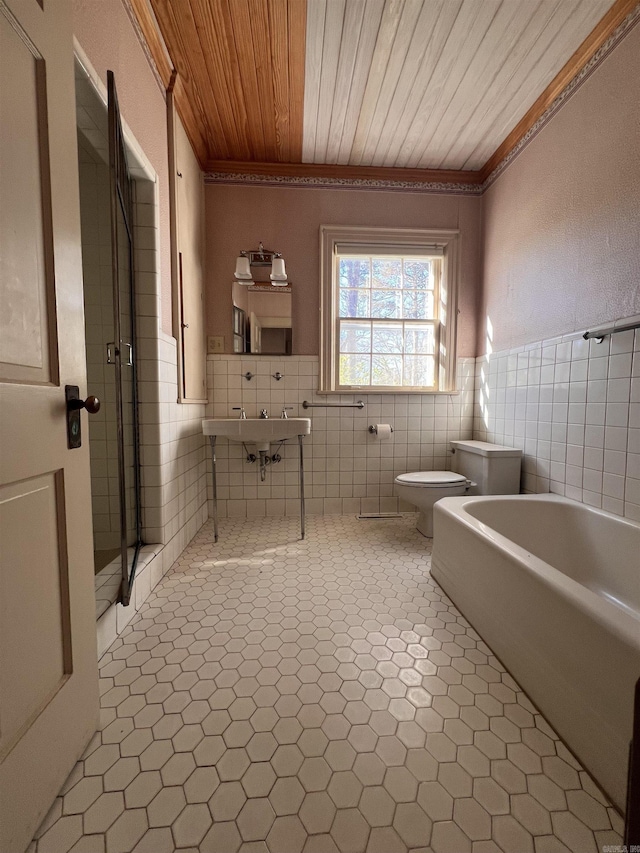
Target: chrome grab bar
[(599, 334), (307, 405)]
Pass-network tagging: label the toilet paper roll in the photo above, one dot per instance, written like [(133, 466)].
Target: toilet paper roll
[(383, 432)]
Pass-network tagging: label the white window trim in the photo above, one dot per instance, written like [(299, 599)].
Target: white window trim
[(405, 239)]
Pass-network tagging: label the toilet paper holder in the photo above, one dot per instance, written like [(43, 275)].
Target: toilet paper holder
[(373, 429)]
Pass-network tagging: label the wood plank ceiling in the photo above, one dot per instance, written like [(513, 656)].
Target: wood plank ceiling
[(241, 65), (433, 85), (408, 85)]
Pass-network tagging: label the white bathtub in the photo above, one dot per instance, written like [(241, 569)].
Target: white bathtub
[(553, 586)]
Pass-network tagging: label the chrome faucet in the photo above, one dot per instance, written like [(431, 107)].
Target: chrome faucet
[(264, 414), (284, 414), (243, 414)]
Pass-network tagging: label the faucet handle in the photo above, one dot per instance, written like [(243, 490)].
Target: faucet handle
[(284, 414), (243, 414)]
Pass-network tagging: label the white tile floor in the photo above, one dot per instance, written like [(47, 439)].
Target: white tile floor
[(276, 695), (107, 583)]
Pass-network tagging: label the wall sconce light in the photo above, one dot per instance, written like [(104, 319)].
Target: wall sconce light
[(243, 270), (261, 257)]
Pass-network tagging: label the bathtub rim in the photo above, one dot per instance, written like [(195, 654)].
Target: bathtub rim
[(616, 619)]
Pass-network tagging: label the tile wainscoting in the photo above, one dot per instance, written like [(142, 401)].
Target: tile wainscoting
[(172, 447), (347, 470), (573, 406)]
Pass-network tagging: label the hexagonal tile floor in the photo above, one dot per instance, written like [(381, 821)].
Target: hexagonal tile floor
[(283, 696)]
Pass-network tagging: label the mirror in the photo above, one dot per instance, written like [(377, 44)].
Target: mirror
[(262, 319)]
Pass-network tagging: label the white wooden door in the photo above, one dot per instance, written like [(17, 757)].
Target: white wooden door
[(48, 667)]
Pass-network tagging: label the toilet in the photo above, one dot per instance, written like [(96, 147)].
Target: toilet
[(481, 468)]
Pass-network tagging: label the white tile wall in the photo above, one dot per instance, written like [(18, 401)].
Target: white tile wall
[(173, 467), (573, 406), (172, 447), (347, 470), (98, 308)]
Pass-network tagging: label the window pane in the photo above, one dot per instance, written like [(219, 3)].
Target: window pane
[(386, 303), (419, 370), (354, 272), (417, 304), (386, 370), (418, 274), (387, 338), (387, 272), (354, 303), (355, 337), (419, 339), (388, 320), (355, 370)]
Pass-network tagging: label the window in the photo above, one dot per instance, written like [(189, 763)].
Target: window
[(388, 310)]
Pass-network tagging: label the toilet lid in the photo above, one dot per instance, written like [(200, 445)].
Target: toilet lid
[(431, 478)]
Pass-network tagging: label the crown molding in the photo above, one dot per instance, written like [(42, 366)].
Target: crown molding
[(150, 40), (622, 14), (583, 75)]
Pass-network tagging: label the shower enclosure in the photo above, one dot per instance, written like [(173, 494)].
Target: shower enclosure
[(106, 195), (122, 354)]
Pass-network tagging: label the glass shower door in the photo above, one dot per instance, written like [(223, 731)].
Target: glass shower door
[(122, 351)]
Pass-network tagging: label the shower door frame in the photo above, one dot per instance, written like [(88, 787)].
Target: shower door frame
[(121, 191)]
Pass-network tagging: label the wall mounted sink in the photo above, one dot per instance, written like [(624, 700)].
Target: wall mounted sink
[(261, 432), (258, 431)]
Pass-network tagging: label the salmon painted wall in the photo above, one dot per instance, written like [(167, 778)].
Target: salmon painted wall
[(105, 33), (562, 223), (288, 220)]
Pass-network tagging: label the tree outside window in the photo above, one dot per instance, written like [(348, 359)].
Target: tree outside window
[(388, 309), (387, 320)]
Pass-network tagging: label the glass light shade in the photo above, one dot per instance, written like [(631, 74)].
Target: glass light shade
[(243, 270), (278, 272)]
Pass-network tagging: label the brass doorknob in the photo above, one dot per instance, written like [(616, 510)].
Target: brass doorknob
[(91, 404)]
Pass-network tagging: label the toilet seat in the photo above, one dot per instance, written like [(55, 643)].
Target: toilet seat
[(424, 488), (431, 479)]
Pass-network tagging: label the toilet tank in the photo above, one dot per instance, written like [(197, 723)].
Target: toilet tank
[(495, 469)]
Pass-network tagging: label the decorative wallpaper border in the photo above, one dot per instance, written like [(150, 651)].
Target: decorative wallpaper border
[(343, 183)]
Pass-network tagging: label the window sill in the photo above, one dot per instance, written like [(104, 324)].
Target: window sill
[(355, 392)]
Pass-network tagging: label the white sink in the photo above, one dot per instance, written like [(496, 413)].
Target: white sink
[(258, 431)]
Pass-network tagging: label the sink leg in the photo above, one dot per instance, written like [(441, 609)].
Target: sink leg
[(301, 487), (212, 441)]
